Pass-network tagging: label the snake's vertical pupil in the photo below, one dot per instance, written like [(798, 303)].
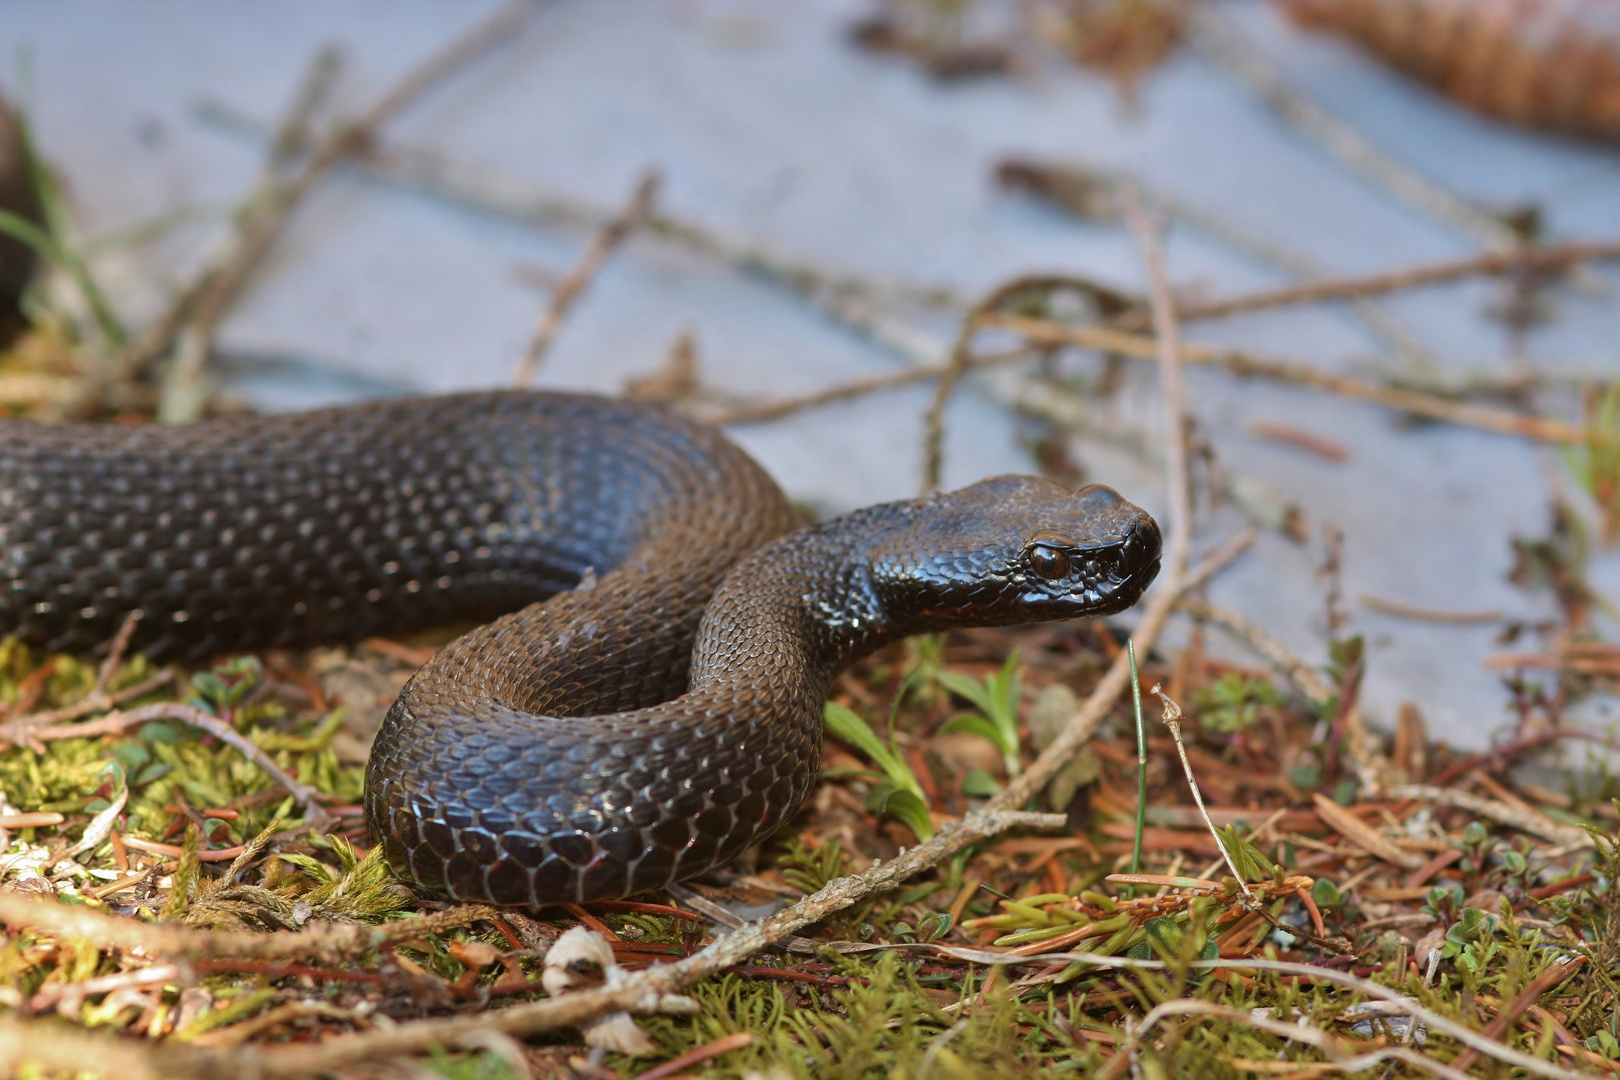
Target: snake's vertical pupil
[(1049, 562)]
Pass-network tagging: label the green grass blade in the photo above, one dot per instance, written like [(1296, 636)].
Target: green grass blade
[(1141, 763)]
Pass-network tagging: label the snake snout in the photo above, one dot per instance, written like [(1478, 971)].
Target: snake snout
[(1140, 553)]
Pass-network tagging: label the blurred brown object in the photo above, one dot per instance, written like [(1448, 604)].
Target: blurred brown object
[(17, 196), (934, 33), (1125, 40), (1552, 64)]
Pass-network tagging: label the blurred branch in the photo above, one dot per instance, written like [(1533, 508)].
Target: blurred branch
[(203, 302), (603, 244)]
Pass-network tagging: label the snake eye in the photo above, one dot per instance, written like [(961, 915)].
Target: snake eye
[(1049, 562)]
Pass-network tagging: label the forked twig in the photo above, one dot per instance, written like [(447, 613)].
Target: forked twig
[(116, 722), (222, 280), (184, 395), (1171, 719)]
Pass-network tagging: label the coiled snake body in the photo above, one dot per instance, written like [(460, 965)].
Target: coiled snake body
[(659, 712)]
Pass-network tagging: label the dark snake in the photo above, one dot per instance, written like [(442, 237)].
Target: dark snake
[(644, 703)]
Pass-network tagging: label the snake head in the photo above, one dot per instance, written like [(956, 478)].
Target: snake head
[(1015, 549)]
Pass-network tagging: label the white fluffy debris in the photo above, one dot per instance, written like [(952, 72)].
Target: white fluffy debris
[(582, 959)]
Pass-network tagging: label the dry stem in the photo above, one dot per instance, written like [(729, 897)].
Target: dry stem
[(603, 244), (116, 722), (1500, 812), (1292, 667), (1248, 365), (326, 943), (23, 730), (1525, 259), (184, 395), (520, 199), (206, 299), (1407, 1005)]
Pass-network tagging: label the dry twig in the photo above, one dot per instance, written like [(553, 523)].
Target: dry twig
[(327, 943), (1497, 811), (211, 293), (520, 199), (602, 245), (1296, 670), (116, 722), (1248, 365), (184, 396), (1527, 258)]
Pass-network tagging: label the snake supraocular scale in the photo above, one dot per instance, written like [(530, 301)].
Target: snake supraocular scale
[(655, 715)]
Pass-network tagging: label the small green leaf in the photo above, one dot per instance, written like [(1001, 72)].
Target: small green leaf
[(978, 784), (974, 724), (150, 772), (909, 807), (1326, 894), (969, 689)]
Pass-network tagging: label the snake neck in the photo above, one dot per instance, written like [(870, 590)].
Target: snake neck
[(812, 594)]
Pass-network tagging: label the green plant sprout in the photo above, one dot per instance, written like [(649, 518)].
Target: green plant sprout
[(996, 698), (1595, 461), (901, 795), (1233, 703), (54, 242)]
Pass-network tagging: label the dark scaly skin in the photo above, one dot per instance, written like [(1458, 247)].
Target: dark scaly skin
[(647, 725)]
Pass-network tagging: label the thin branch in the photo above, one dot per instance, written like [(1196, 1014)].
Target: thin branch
[(22, 730), (956, 365), (116, 722), (1171, 718), (1292, 667), (857, 388), (1248, 365), (603, 244), (514, 198), (1500, 812), (1315, 1037), (1528, 258), (1167, 338), (223, 279), (1409, 1006), (520, 199), (1094, 193), (960, 358), (184, 395), (328, 943)]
